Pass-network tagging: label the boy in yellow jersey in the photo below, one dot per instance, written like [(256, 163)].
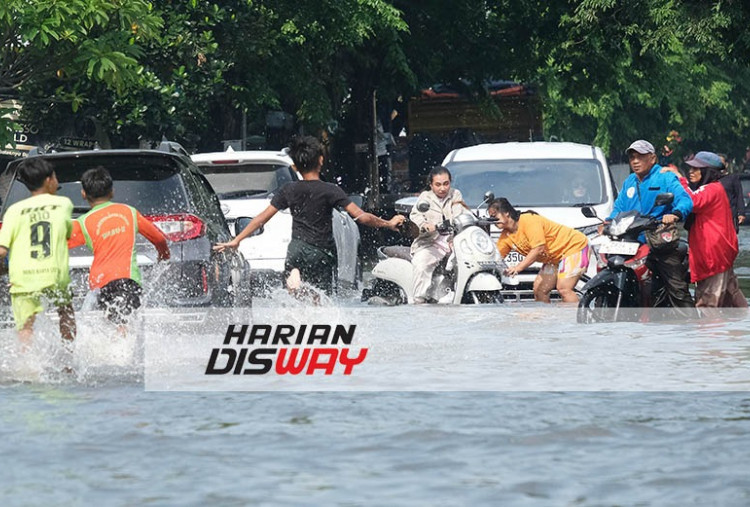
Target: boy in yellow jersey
[(34, 235), (109, 230), (563, 252)]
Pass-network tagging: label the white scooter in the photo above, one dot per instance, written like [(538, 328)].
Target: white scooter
[(472, 273)]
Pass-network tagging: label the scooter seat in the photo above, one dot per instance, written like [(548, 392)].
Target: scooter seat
[(396, 251)]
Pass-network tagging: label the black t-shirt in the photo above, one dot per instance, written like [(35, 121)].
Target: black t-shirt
[(311, 203)]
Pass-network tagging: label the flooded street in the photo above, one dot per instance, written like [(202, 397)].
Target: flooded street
[(500, 405)]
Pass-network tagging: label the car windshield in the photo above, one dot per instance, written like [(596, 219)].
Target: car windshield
[(151, 187), (235, 181), (526, 183)]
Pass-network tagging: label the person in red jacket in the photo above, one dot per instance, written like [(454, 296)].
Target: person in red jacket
[(712, 239), (109, 229)]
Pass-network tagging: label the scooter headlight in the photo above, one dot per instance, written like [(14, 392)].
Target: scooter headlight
[(482, 242), (618, 227)]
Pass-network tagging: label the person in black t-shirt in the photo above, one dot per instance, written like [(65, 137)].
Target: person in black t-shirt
[(733, 187), (311, 256)]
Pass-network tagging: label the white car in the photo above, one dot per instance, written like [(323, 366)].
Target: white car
[(245, 182), (539, 176)]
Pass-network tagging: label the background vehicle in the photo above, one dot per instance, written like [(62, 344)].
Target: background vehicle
[(535, 175), (168, 189), (245, 182)]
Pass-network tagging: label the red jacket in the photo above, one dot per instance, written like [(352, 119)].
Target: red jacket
[(712, 239)]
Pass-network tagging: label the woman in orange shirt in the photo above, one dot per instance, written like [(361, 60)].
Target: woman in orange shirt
[(563, 252)]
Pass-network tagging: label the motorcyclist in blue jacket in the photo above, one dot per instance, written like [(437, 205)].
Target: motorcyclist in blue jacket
[(639, 192)]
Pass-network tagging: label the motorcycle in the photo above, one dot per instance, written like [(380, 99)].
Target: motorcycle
[(472, 273), (625, 283)]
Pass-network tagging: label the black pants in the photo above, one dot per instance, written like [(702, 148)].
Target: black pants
[(119, 298), (317, 265), (671, 268)]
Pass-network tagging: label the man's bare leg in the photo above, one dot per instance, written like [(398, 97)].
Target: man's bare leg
[(67, 322), (298, 290), (294, 280), (26, 332)]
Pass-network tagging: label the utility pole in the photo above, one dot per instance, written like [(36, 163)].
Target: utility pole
[(373, 196), (244, 129)]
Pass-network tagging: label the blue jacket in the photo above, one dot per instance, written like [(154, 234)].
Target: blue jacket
[(640, 195)]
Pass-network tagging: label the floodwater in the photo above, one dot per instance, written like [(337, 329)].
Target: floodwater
[(506, 405)]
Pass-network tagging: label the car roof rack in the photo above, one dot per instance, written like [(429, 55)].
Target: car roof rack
[(172, 147)]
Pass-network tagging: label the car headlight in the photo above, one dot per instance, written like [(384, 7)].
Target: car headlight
[(618, 227), (482, 242)]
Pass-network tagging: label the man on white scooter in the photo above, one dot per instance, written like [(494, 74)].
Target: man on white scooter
[(430, 247)]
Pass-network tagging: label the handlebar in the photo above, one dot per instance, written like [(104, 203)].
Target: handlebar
[(444, 228)]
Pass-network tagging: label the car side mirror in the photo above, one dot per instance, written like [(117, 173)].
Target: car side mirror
[(489, 196), (588, 212), (664, 199), (357, 199), (243, 222), (423, 206)]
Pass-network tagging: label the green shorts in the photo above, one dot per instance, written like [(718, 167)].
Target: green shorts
[(27, 304), (317, 266)]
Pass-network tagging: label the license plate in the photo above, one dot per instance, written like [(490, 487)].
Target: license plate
[(513, 259), (620, 248)]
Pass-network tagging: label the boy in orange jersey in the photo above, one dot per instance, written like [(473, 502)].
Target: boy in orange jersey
[(109, 230)]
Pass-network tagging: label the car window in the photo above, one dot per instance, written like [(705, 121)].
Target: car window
[(150, 186), (525, 183), (203, 196), (247, 179)]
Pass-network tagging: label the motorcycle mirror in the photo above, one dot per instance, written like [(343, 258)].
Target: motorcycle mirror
[(664, 199), (488, 197), (588, 212), (423, 206)]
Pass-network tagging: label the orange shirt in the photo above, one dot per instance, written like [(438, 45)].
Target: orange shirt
[(558, 240), (109, 230)]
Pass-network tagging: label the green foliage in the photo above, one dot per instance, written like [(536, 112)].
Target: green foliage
[(93, 40), (617, 71), (608, 71)]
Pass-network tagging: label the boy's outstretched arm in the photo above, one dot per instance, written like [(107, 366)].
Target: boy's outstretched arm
[(154, 235), (363, 217), (76, 236), (260, 220)]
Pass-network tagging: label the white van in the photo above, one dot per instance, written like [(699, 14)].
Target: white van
[(553, 179)]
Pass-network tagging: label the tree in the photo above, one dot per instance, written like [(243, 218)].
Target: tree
[(94, 40), (617, 71)]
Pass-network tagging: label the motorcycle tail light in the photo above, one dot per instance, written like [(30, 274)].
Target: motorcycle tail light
[(178, 227)]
